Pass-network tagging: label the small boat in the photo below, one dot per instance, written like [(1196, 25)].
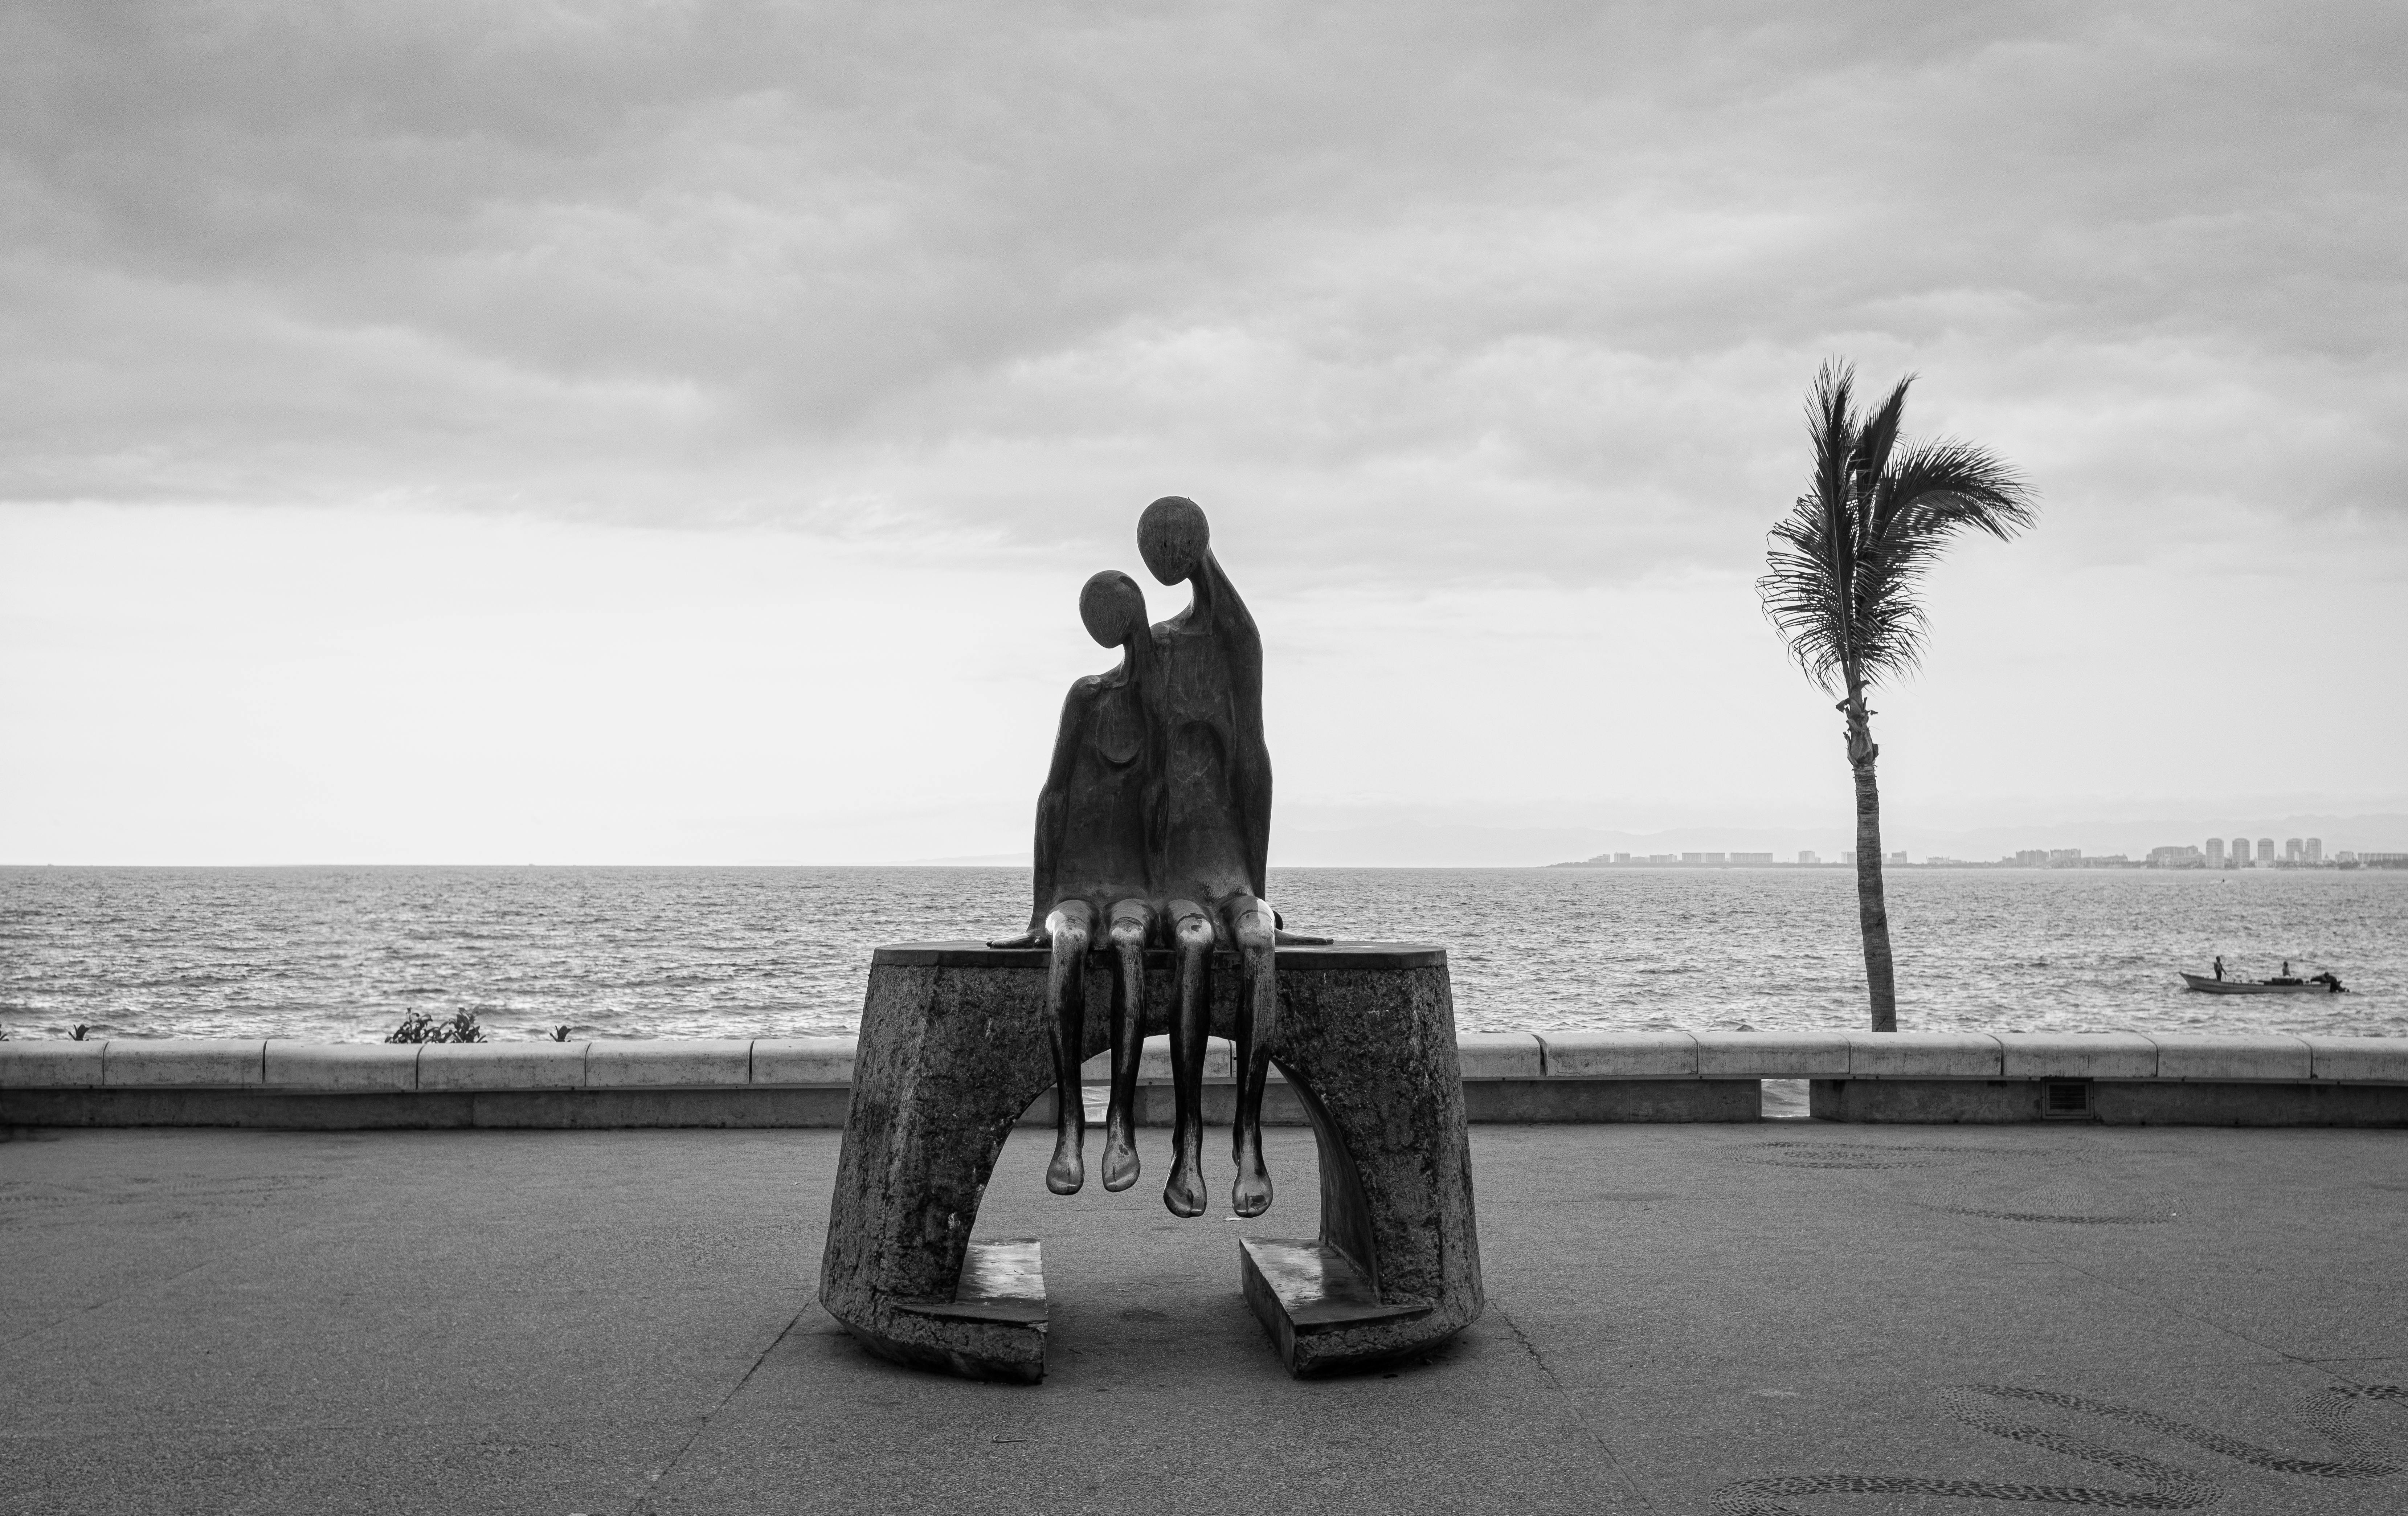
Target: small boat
[(2281, 984)]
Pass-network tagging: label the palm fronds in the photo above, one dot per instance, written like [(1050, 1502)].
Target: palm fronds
[(1844, 565)]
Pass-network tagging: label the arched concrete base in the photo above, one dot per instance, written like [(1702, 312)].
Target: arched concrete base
[(953, 1048)]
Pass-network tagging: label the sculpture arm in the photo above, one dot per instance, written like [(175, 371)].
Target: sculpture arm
[(1253, 785), (1052, 801), (1242, 651)]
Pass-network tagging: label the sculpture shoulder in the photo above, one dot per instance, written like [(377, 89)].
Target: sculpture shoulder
[(1085, 690), (1228, 606), (1092, 698)]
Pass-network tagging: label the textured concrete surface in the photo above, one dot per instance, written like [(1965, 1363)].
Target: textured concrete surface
[(955, 1046), (1682, 1318)]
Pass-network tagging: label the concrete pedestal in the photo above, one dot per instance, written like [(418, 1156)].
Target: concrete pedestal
[(955, 1047)]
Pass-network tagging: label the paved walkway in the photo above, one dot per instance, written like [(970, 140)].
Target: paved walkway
[(1697, 1319)]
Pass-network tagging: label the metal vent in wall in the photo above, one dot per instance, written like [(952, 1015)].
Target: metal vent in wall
[(2065, 1099)]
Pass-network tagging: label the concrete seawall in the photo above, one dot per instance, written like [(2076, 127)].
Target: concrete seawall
[(2117, 1078)]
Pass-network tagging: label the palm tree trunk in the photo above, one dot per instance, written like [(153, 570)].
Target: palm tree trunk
[(1872, 909)]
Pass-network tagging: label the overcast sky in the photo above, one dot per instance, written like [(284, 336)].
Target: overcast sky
[(668, 432)]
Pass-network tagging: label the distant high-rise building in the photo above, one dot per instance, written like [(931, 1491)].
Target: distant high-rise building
[(2294, 852), (2315, 849), (2265, 852), (1807, 855), (1751, 857), (1847, 860), (2032, 858), (1622, 857), (2065, 857), (2216, 853), (2241, 852), (1897, 857)]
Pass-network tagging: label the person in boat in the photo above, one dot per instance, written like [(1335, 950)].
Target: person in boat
[(2330, 980), (2219, 965)]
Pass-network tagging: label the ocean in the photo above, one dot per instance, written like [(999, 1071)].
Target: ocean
[(343, 953)]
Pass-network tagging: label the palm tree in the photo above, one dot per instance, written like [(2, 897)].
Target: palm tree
[(1842, 575)]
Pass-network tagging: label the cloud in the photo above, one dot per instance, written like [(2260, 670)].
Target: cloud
[(1426, 293)]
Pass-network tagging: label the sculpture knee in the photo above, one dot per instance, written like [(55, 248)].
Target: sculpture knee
[(1255, 934), (1193, 936), (1070, 940), (1128, 935), (1069, 926)]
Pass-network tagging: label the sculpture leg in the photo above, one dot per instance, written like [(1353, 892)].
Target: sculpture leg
[(1257, 1028), (1132, 921), (1191, 1012), (1070, 924)]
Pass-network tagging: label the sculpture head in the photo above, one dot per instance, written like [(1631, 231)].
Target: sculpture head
[(1172, 538), (1112, 607)]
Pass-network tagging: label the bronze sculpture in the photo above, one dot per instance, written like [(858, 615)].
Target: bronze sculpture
[(1155, 816), (1155, 821)]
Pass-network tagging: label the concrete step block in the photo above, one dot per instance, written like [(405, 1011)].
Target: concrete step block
[(1620, 1055), (502, 1065), (648, 1063), (1923, 1056), (2085, 1055), (2198, 1056), (341, 1065), (2368, 1059), (189, 1061), (52, 1064), (803, 1059), (1772, 1055), (1500, 1055)]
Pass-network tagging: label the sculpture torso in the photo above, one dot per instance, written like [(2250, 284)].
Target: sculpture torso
[(1101, 855), (1206, 698)]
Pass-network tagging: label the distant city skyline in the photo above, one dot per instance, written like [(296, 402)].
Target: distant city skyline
[(2297, 853)]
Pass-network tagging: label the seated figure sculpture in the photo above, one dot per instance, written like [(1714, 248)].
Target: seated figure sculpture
[(1090, 858), (1152, 829), (1156, 818), (1205, 689)]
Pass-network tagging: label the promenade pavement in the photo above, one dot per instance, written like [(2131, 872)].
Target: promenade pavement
[(1681, 1318)]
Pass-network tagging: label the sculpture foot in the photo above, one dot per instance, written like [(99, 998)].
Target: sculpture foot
[(1251, 1196), (1068, 1173), (1185, 1195), (1119, 1162)]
